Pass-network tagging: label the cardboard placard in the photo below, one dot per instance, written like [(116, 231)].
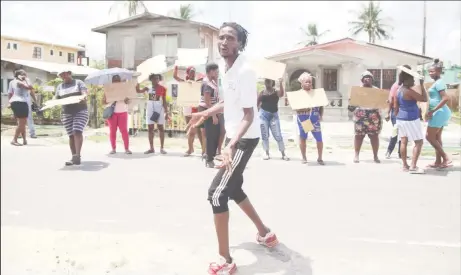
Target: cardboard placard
[(63, 101), (307, 125), (188, 93), (192, 57), (269, 69), (369, 97), (120, 90), (415, 74), (302, 99), (156, 64)]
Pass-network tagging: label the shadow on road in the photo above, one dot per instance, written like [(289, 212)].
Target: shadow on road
[(280, 259), (88, 166), (141, 155), (442, 172)]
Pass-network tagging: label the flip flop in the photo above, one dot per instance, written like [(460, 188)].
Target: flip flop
[(15, 143), (304, 161), (163, 152), (150, 151), (406, 169), (447, 165), (285, 158), (187, 154), (319, 161), (417, 170), (433, 165), (128, 152)]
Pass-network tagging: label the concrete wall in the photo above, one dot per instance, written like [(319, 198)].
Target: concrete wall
[(143, 32), (25, 51)]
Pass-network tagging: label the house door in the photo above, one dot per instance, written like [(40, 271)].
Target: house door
[(128, 52)]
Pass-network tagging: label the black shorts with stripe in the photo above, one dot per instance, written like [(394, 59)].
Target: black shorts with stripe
[(228, 184)]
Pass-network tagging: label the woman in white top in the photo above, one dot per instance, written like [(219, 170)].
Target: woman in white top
[(119, 119), (18, 93)]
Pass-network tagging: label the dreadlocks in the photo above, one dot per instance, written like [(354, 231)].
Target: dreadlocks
[(242, 34)]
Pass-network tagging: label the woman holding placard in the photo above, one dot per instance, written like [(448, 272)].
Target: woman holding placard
[(268, 100), (407, 114), (188, 111), (367, 121), (118, 119), (438, 116), (309, 121)]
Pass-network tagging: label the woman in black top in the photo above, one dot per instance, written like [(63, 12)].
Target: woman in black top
[(268, 100)]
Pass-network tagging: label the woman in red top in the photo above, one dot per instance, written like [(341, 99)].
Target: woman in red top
[(155, 104), (190, 75)]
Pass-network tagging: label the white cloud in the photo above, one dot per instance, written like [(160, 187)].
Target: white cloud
[(273, 26)]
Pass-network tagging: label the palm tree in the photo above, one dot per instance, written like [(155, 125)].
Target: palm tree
[(312, 34), (185, 12), (370, 22), (132, 6)]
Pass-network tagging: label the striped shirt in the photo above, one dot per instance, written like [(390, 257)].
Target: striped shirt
[(211, 88)]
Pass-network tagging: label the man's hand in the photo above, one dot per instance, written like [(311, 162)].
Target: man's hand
[(127, 100), (227, 154), (421, 81), (215, 120), (167, 117), (196, 119), (387, 117), (280, 80)]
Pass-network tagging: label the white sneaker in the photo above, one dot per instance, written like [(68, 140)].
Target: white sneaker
[(270, 240), (222, 268)]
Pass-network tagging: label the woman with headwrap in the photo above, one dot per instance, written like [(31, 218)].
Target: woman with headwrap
[(74, 116), (367, 121), (314, 115), (438, 115), (188, 111), (407, 114)]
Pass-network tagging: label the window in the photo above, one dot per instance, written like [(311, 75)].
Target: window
[(12, 46), (37, 54), (70, 57), (389, 78), (51, 52), (376, 77), (60, 53), (330, 80), (166, 44)]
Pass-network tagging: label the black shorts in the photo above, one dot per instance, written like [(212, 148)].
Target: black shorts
[(20, 109)]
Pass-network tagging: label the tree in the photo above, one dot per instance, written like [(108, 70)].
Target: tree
[(132, 7), (98, 64), (369, 20), (312, 34), (186, 12)]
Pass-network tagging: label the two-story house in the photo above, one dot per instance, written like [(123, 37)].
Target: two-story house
[(131, 41), (40, 59)]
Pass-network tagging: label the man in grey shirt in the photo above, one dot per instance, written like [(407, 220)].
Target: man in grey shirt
[(30, 119)]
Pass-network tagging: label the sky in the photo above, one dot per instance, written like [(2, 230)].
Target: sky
[(274, 27)]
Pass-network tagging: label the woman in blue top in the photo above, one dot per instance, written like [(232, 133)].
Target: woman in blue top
[(407, 114), (438, 115)]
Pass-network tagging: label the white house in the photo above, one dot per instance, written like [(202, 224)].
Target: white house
[(337, 66)]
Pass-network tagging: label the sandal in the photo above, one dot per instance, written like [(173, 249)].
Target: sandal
[(284, 157), (446, 165), (188, 153), (24, 142), (319, 161), (304, 161), (15, 143), (150, 151), (433, 165), (74, 161), (376, 160), (417, 170), (128, 152), (406, 168), (112, 152), (162, 151), (266, 157)]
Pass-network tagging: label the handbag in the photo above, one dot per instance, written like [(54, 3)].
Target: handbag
[(108, 111), (155, 116)]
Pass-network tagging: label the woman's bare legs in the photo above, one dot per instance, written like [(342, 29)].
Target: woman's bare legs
[(416, 153), (374, 140), (358, 141), (20, 131), (403, 152), (431, 137), (302, 148)]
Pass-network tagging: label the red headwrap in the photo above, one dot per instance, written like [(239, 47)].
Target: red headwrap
[(188, 71)]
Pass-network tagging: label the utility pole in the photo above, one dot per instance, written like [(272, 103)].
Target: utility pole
[(424, 30)]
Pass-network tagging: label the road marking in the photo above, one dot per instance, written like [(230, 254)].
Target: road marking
[(432, 244)]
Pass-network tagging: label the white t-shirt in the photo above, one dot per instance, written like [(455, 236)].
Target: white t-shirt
[(239, 90)]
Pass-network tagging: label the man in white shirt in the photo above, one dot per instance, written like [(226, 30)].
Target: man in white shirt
[(239, 102)]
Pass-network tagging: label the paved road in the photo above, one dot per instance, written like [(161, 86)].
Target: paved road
[(114, 215)]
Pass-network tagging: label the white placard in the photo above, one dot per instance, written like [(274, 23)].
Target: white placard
[(269, 69), (63, 101), (411, 72), (192, 57)]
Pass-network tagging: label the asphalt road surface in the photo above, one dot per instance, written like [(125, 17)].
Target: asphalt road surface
[(149, 215)]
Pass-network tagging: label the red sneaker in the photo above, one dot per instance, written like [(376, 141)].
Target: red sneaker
[(270, 240), (222, 268)]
